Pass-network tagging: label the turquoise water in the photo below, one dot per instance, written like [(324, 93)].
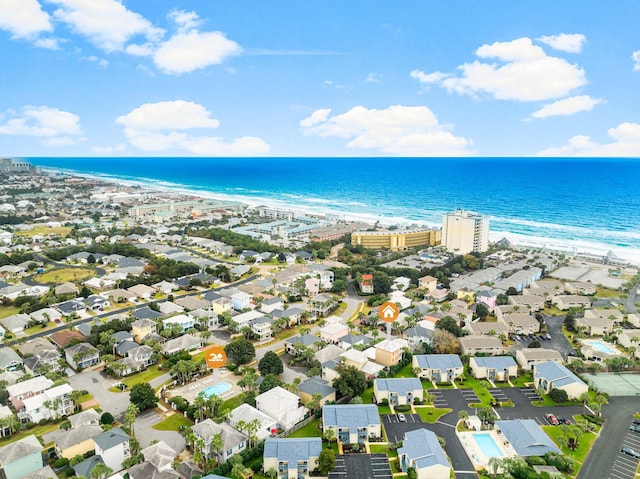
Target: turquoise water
[(602, 347), (487, 445), (216, 389)]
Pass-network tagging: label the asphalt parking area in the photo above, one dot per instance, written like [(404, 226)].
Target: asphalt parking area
[(530, 394), (625, 466), (361, 466), (440, 400), (395, 429), (469, 395), (498, 394)]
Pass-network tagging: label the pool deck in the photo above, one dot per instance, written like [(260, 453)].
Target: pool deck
[(474, 451), (191, 390)]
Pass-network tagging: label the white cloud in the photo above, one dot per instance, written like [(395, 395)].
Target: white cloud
[(48, 43), (186, 52), (24, 18), (97, 60), (55, 127), (635, 56), (527, 73), (107, 23), (185, 20), (566, 42), (567, 106), (626, 142), (164, 126), (398, 129), (373, 78), (108, 150)]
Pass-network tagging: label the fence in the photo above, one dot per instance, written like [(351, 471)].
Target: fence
[(301, 424)]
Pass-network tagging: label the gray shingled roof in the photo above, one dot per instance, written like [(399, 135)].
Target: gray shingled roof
[(350, 416), (316, 385), (76, 436), (495, 362), (399, 385), (16, 450), (556, 373), (423, 447), (438, 361), (293, 450), (84, 468), (111, 438), (526, 437)]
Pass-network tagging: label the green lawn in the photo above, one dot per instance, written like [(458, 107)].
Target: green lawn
[(426, 384), (8, 311), (547, 401), (481, 391), (173, 423), (384, 410), (584, 445), (521, 381), (367, 396), (37, 431), (607, 293), (145, 376), (232, 403), (65, 274), (432, 414), (406, 372), (310, 430), (383, 449), (44, 231)]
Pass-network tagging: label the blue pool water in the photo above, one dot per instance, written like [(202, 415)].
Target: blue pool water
[(602, 347), (488, 445), (216, 389)]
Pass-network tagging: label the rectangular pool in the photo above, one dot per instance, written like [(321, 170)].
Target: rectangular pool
[(602, 347), (487, 445)]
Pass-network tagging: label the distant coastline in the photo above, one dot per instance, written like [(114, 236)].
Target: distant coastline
[(621, 241)]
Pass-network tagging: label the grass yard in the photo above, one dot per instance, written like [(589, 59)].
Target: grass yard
[(310, 430), (44, 231), (480, 390), (382, 449), (38, 328), (584, 445), (145, 376), (521, 381), (232, 403), (37, 431), (553, 311), (547, 401), (173, 423), (63, 275), (8, 311), (607, 293), (367, 396), (384, 410), (405, 372), (432, 414)]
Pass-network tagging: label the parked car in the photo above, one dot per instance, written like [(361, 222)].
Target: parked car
[(552, 420), (401, 418), (562, 420), (548, 336), (636, 421), (634, 428), (630, 452)]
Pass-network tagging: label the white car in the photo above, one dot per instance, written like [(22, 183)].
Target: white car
[(401, 418)]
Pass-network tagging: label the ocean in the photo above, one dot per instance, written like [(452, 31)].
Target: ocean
[(582, 204)]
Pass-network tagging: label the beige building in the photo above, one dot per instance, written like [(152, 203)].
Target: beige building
[(494, 368), (465, 232), (396, 240), (520, 323), (293, 458), (398, 391), (566, 301), (530, 301), (595, 325), (70, 443), (389, 352), (630, 338), (551, 375), (529, 357), (428, 282), (481, 344), (580, 287), (480, 328), (143, 327)]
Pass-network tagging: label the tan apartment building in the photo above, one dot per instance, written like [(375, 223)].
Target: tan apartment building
[(397, 240), (481, 344), (465, 232), (529, 357)]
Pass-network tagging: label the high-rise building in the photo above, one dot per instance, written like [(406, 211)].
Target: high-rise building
[(465, 232)]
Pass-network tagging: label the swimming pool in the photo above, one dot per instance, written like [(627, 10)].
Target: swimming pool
[(602, 346), (487, 445), (216, 389)]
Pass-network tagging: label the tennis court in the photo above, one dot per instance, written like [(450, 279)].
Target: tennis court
[(615, 384)]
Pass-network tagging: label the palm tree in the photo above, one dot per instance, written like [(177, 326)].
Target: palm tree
[(130, 416), (272, 472), (463, 415), (100, 471), (495, 463), (216, 445), (315, 403), (329, 435)]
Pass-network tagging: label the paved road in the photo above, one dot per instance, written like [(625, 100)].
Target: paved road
[(631, 299), (605, 459), (94, 382), (558, 340), (143, 429)]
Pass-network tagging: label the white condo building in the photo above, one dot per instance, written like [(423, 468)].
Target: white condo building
[(465, 232)]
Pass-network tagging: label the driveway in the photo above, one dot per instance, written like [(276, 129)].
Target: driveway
[(558, 341), (144, 432), (95, 383)]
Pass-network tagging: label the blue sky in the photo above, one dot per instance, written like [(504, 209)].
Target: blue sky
[(332, 78)]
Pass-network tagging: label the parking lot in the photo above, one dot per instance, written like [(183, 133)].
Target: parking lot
[(625, 466), (361, 466), (395, 428)]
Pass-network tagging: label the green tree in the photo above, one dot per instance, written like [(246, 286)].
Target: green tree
[(350, 381), (482, 310), (107, 418), (450, 324), (269, 382), (240, 351), (326, 461), (270, 364), (130, 416), (100, 471), (143, 396)]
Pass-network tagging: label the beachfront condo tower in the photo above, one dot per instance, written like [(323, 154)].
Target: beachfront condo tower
[(465, 232)]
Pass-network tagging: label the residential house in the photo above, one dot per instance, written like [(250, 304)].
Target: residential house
[(190, 303), (136, 358), (84, 468), (187, 342), (269, 305), (350, 340), (165, 287), (142, 291), (46, 315), (494, 368), (473, 345), (247, 413), (292, 315), (526, 437), (42, 362), (398, 391), (332, 332), (634, 319), (480, 328), (238, 271), (25, 389), (90, 417), (422, 451), (438, 368), (630, 338), (71, 307), (120, 295), (529, 357), (241, 300), (157, 464), (20, 458), (82, 355), (316, 385), (51, 404), (168, 307), (184, 321), (352, 423), (295, 343), (323, 304), (551, 375), (400, 299), (45, 473), (262, 328), (564, 302), (113, 447), (281, 405), (16, 323), (417, 335), (142, 328), (233, 441), (76, 441), (65, 337), (66, 288), (595, 325), (488, 298), (9, 360), (366, 284), (390, 351), (293, 458), (145, 312)]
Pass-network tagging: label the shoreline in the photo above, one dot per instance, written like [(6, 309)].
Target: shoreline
[(322, 207)]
